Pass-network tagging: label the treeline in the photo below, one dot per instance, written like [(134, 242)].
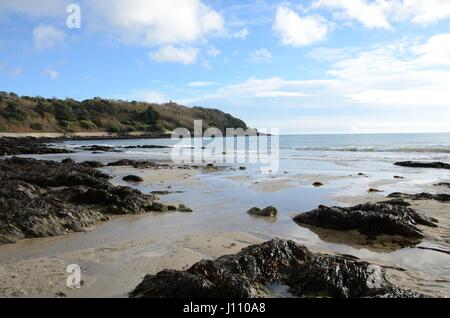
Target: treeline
[(38, 114)]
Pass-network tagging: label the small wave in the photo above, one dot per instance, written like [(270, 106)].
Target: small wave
[(378, 149)]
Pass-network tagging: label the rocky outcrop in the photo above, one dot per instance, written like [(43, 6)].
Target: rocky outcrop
[(45, 198), (144, 164), (270, 211), (415, 164), (99, 148), (249, 274), (27, 146), (132, 178), (147, 147), (399, 202), (370, 219), (443, 197)]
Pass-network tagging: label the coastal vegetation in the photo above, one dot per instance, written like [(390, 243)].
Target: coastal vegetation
[(24, 114)]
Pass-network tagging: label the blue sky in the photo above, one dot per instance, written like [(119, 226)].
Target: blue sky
[(316, 66)]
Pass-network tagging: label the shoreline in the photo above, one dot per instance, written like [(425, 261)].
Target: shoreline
[(129, 247)]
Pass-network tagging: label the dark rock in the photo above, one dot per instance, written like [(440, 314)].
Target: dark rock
[(421, 196), (370, 219), (93, 164), (28, 146), (183, 208), (249, 273), (134, 164), (372, 190), (166, 192), (399, 202), (158, 207), (45, 198), (399, 177), (317, 184), (147, 147), (68, 161), (242, 168), (98, 148), (270, 211), (415, 164), (133, 178), (443, 184)]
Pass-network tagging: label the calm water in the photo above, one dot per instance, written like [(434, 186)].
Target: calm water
[(357, 146)]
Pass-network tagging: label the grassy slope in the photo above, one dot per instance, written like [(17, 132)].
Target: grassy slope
[(38, 115)]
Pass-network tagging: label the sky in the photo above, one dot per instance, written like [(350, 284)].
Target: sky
[(311, 66)]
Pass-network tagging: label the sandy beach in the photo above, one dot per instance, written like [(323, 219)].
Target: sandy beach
[(115, 255)]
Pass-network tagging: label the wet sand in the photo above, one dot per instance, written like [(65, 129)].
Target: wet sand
[(115, 255)]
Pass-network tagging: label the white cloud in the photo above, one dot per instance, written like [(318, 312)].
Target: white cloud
[(261, 56), (17, 71), (390, 87), (200, 84), (53, 74), (296, 30), (158, 22), (371, 15), (213, 51), (382, 13), (149, 96), (241, 34), (46, 36), (401, 74), (172, 54)]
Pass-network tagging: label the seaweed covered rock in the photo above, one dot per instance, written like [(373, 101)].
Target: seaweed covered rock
[(441, 197), (269, 211), (249, 274), (28, 146), (415, 164), (45, 198), (371, 219)]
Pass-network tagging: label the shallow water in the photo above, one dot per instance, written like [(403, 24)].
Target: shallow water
[(220, 201)]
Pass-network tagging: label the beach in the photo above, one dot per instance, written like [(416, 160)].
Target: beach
[(115, 255)]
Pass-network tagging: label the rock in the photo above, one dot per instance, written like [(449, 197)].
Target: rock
[(147, 147), (399, 177), (249, 273), (135, 164), (183, 208), (242, 168), (421, 196), (415, 164), (317, 184), (28, 146), (93, 164), (370, 219), (45, 198), (443, 184), (60, 294), (97, 148), (372, 190), (166, 192), (132, 178), (399, 202), (270, 211), (158, 207), (68, 161)]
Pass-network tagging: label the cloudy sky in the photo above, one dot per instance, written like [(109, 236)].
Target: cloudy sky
[(311, 66)]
